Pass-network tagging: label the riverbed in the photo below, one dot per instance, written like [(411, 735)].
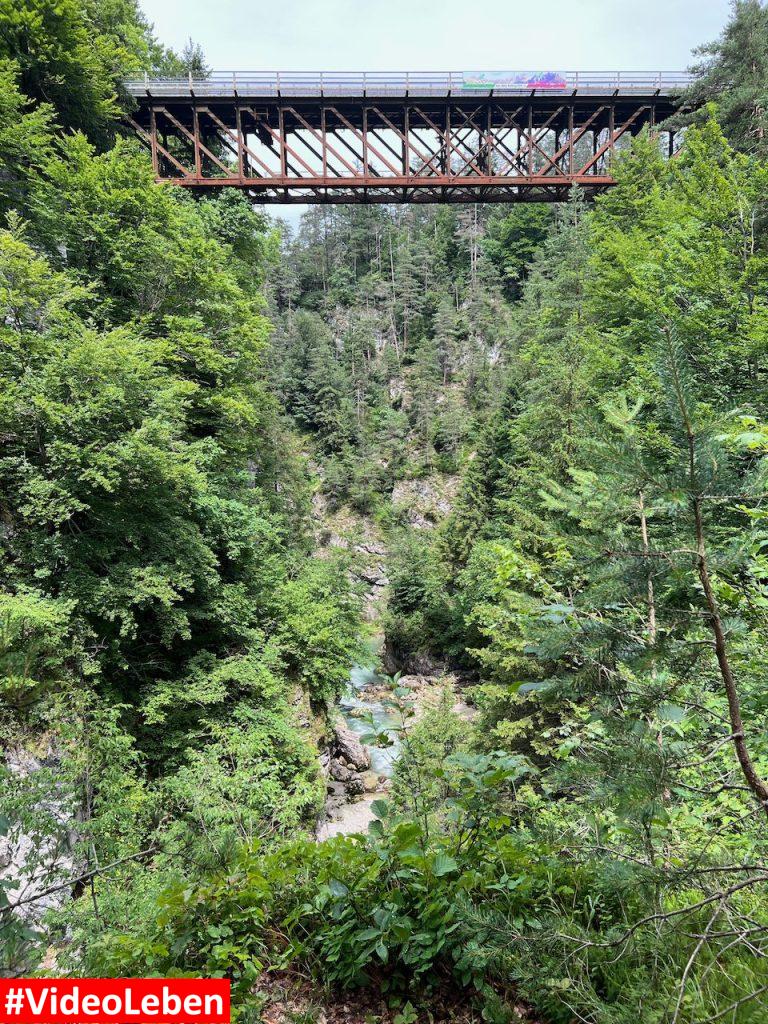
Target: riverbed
[(363, 712)]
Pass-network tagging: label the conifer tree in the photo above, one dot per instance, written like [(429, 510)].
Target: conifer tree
[(733, 74)]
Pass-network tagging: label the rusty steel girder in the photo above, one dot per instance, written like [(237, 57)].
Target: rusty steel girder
[(368, 149)]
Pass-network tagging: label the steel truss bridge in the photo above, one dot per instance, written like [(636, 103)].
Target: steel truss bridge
[(398, 138)]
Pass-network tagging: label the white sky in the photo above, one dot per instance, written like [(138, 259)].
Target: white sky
[(439, 35), (435, 35)]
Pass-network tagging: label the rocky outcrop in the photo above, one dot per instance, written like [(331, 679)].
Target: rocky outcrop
[(349, 749), (347, 766), (347, 761), (372, 573), (424, 501), (415, 663), (344, 528), (43, 855)]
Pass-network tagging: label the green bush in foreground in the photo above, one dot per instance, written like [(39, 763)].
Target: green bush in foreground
[(479, 903)]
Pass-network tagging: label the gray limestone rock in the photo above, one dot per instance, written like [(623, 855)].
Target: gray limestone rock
[(349, 747)]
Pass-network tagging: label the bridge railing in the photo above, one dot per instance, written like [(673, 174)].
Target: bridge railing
[(411, 83)]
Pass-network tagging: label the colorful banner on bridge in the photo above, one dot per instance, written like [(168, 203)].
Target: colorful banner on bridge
[(517, 80)]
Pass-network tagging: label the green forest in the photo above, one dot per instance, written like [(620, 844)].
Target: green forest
[(549, 425)]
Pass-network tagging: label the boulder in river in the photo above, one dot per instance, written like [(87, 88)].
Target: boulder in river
[(340, 772), (355, 786), (350, 748)]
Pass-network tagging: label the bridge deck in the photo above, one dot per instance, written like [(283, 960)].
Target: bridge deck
[(264, 84), (401, 137)]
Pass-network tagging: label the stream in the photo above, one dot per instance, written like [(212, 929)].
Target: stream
[(354, 704), (362, 710)]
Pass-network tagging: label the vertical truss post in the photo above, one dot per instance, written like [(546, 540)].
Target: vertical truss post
[(447, 157), (595, 141), (153, 141), (529, 140), (611, 134), (570, 138), (324, 137), (489, 140), (406, 143), (283, 142), (196, 142), (240, 141)]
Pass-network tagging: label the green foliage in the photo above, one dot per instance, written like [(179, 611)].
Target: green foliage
[(514, 237), (732, 74), (253, 777), (72, 54), (33, 647), (162, 630), (26, 139), (421, 783), (419, 614), (603, 570), (389, 326), (347, 907), (317, 629), (594, 843)]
